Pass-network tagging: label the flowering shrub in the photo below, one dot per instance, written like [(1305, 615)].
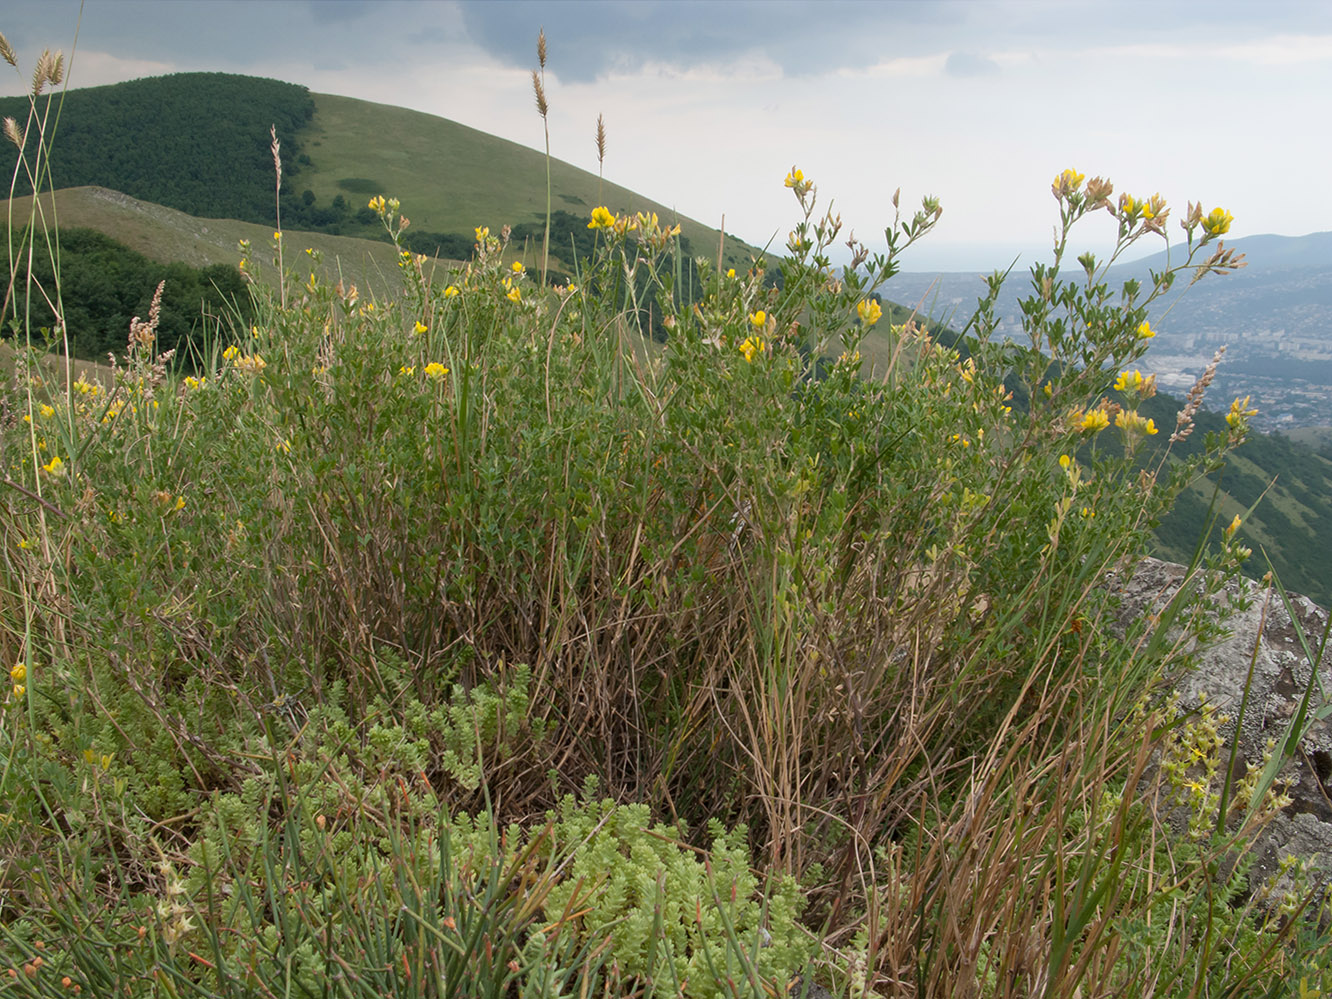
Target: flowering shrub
[(808, 566)]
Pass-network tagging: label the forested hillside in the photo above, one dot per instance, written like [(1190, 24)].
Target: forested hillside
[(197, 142), (103, 285)]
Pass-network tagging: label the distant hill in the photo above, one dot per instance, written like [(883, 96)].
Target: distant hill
[(199, 143)]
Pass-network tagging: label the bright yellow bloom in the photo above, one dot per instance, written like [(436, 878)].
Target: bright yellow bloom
[(251, 364), (514, 294), (517, 267), (419, 328), (730, 272), (1239, 413), (1065, 461), (47, 411), (1129, 382), (180, 500), (1093, 420), (602, 218), (869, 311), (1218, 222), (277, 235), (1145, 331), (377, 205), (1229, 532), (758, 319), (19, 672), (1131, 423), (753, 345), (436, 371), (1066, 183), (283, 446), (19, 691), (407, 369), (451, 292), (54, 468), (795, 178)]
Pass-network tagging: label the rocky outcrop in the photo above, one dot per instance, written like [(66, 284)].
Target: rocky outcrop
[(1262, 637)]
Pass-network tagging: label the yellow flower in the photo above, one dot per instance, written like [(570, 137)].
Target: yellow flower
[(1229, 532), (19, 691), (180, 503), (251, 364), (1066, 183), (1145, 331), (1130, 422), (1065, 461), (1093, 421), (193, 383), (407, 369), (602, 218), (283, 446), (869, 311), (758, 319), (230, 353), (277, 235), (517, 267), (1218, 222), (19, 672), (1128, 383), (419, 328), (1239, 413), (730, 272), (451, 292), (47, 411), (514, 294), (753, 345), (54, 468), (436, 371), (795, 178), (377, 205)]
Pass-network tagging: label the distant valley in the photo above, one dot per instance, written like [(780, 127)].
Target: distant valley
[(1274, 316)]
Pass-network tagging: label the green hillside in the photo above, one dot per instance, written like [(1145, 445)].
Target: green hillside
[(336, 153)]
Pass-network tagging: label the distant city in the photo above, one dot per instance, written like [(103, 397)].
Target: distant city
[(1274, 317)]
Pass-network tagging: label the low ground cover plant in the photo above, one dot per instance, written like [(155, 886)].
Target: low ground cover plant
[(472, 643)]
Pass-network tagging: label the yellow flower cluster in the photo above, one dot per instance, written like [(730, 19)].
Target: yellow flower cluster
[(752, 347), (869, 311), (1132, 424), (1145, 331), (1217, 222), (435, 371), (604, 218), (1066, 183), (1136, 384), (796, 181), (1238, 417), (1092, 421)]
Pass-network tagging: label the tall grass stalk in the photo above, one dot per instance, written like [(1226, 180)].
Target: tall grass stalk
[(543, 109)]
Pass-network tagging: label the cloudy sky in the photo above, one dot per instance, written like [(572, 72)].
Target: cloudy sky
[(709, 104)]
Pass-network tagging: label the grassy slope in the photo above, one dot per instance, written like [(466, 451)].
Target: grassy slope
[(452, 178), (167, 235)]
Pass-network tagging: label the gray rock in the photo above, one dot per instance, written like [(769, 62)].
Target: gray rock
[(1262, 638)]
